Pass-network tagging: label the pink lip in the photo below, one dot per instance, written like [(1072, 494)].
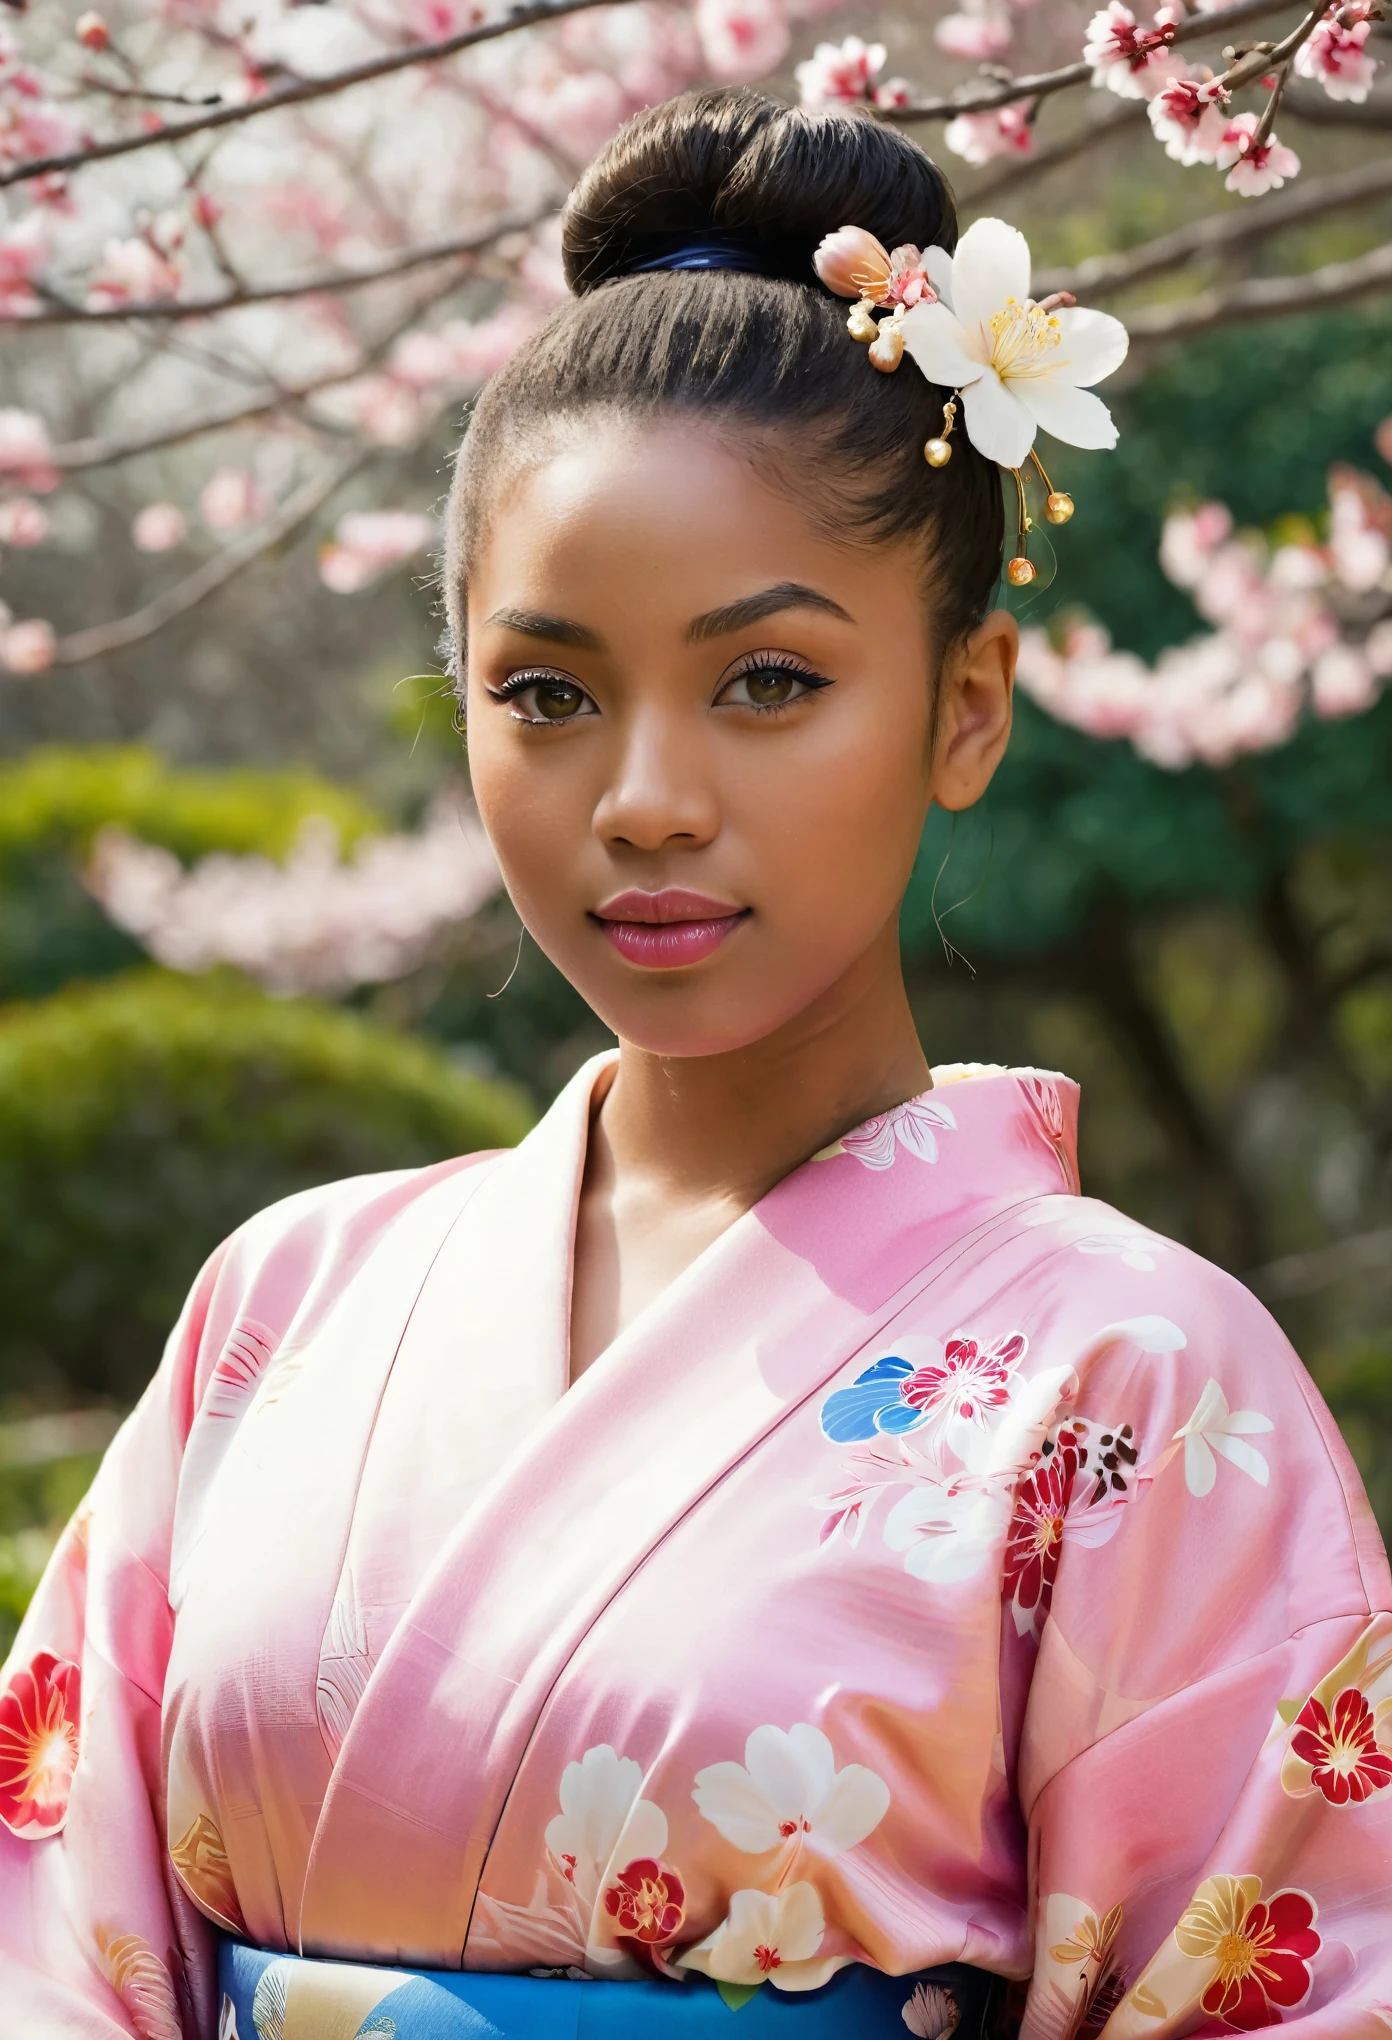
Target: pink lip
[(665, 930)]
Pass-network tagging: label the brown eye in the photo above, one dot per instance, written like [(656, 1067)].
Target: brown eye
[(556, 700), (769, 682), (769, 688)]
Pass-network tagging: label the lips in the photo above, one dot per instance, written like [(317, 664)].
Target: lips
[(669, 929)]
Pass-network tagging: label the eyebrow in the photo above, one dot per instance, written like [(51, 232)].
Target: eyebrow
[(557, 630), (754, 608)]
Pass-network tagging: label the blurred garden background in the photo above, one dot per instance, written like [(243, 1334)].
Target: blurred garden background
[(251, 937)]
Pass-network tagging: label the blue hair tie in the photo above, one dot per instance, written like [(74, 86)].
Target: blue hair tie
[(735, 252)]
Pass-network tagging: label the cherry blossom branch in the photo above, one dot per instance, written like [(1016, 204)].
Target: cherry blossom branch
[(214, 573), (1130, 114), (1267, 297), (1268, 57), (301, 91), (318, 284), (95, 451), (978, 98), (1106, 273)]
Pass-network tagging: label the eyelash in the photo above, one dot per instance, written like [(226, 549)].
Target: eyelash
[(744, 669), (773, 662)]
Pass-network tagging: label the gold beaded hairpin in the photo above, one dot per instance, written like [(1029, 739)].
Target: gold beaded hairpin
[(1011, 365)]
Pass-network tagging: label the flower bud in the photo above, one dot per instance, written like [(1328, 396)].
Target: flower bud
[(92, 32)]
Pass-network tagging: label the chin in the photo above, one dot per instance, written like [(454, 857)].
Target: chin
[(690, 1020)]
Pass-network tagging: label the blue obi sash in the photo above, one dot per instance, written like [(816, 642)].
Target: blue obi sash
[(286, 1997)]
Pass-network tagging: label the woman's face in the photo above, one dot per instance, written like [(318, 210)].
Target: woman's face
[(700, 734)]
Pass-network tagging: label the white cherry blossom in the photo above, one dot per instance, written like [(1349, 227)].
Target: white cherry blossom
[(768, 1937), (1215, 1428), (914, 1126), (788, 1789), (602, 1818), (1019, 365)]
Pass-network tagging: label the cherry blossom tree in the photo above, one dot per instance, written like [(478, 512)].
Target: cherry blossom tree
[(311, 231)]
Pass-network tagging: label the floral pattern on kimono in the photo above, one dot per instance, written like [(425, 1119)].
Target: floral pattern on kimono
[(375, 1641)]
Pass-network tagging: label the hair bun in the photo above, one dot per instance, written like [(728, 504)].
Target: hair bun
[(736, 162)]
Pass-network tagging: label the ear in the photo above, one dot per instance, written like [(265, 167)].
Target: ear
[(975, 696)]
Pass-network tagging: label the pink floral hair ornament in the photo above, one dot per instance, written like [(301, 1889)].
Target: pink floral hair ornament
[(969, 323)]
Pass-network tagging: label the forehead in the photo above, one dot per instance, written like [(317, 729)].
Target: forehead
[(668, 516)]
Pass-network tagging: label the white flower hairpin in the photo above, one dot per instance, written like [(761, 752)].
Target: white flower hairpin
[(970, 324)]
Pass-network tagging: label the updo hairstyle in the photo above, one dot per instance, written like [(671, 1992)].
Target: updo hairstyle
[(767, 355)]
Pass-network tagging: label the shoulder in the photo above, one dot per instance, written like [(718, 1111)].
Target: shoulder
[(254, 1292), (1153, 1335)]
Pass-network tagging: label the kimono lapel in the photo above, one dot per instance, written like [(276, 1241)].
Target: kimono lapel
[(744, 1337)]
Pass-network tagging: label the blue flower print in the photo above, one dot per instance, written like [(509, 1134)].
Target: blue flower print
[(874, 1402)]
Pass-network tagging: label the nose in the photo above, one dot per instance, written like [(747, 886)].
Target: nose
[(661, 791)]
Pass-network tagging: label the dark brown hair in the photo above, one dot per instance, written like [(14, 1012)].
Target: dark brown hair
[(765, 353)]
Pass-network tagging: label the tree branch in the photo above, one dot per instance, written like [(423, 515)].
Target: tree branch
[(1102, 274), (317, 283), (1130, 113), (1317, 109), (300, 91), (214, 573), (977, 97), (1267, 297)]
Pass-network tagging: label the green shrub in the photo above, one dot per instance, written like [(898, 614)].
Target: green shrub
[(54, 801), (61, 796), (143, 1118)]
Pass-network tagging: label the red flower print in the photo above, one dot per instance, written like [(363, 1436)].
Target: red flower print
[(1262, 1949), (647, 1904), (38, 1746), (969, 1380), (1341, 1748), (1035, 1543)]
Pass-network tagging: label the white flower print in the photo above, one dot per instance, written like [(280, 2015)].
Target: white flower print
[(1215, 1428), (602, 1818), (946, 1528), (932, 2012), (914, 1126), (789, 1790), (1092, 1229), (768, 1937)]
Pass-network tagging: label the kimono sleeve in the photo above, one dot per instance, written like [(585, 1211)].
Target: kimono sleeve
[(95, 1938), (1206, 1758)]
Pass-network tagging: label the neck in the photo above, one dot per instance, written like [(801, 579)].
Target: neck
[(725, 1128)]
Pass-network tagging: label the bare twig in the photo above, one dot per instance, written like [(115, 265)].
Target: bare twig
[(1317, 109), (318, 283), (1303, 1274), (104, 452), (1267, 297), (299, 91), (1130, 113), (214, 573), (977, 97), (1103, 274)]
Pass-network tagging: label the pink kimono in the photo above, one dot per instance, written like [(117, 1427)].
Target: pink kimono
[(944, 1568)]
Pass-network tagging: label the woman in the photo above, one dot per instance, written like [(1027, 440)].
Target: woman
[(768, 1544)]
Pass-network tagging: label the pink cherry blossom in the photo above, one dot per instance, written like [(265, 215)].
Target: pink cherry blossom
[(23, 253), (159, 527), (742, 39), (1335, 57), (981, 137), (578, 110), (841, 73), (231, 497), (316, 923), (22, 522), (1187, 116), (1190, 538), (384, 409), (367, 542), (28, 647), (1342, 682), (30, 125), (1254, 170), (1132, 61), (975, 34), (26, 457), (132, 271)]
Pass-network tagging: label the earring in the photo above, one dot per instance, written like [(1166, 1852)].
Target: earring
[(1020, 571), (937, 452), (1058, 505)]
